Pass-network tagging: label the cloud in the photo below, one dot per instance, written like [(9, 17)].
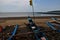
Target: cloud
[(15, 5), (23, 5), (15, 2)]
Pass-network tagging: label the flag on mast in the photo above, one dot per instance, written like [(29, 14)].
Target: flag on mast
[(30, 2)]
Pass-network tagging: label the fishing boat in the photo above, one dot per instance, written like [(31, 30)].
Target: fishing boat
[(29, 25)]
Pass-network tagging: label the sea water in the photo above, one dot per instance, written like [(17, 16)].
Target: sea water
[(24, 14)]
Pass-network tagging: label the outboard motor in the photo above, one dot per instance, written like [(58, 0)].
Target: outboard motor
[(33, 27), (31, 24)]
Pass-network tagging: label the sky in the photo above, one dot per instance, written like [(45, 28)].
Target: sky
[(23, 5)]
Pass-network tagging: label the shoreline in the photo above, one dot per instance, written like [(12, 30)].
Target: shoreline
[(27, 17)]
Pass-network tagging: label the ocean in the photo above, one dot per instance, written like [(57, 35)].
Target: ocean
[(25, 14)]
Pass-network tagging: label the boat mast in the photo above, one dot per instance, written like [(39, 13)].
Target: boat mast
[(31, 4)]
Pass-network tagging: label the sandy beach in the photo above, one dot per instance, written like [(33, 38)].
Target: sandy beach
[(41, 21), (23, 31)]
